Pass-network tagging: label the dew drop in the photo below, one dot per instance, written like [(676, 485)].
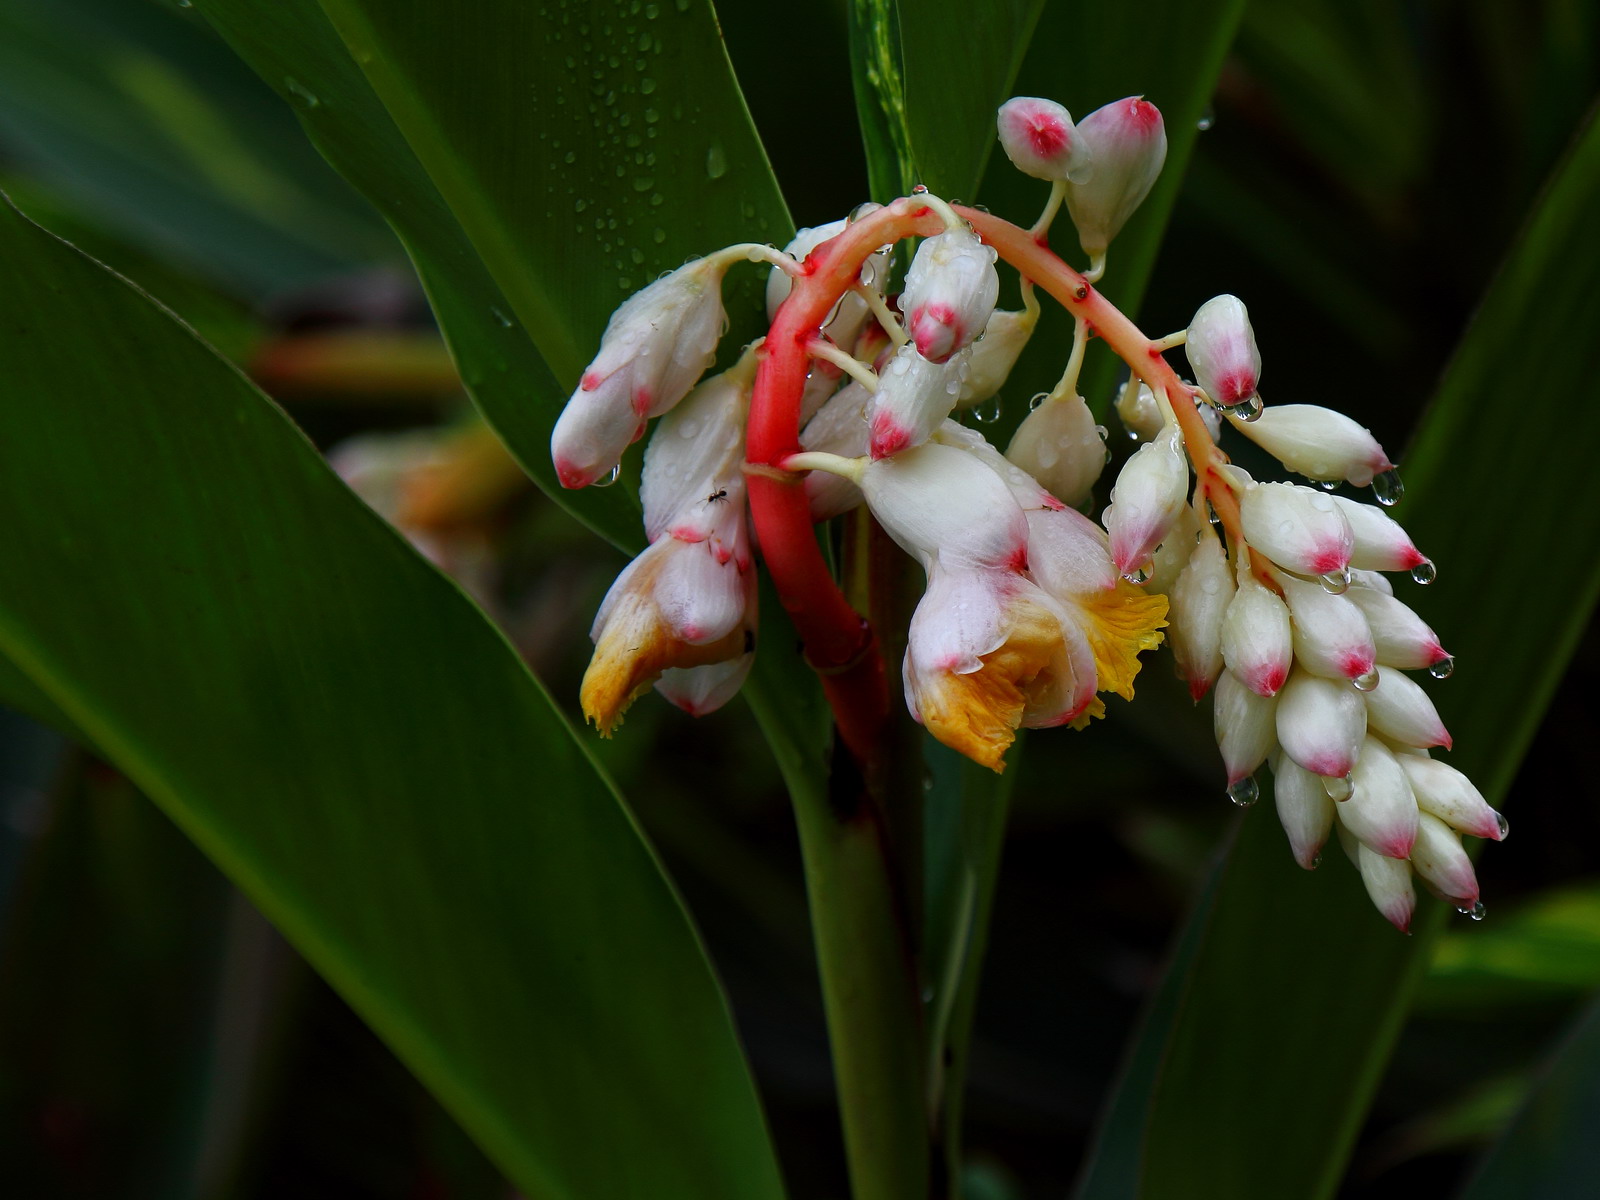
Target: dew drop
[(616, 472), (1444, 668), (1206, 121), (1365, 683), (643, 184), (658, 235), (716, 162), (1425, 572), (1244, 792), (681, 5), (1247, 410), (1316, 862), (300, 92), (988, 412), (1038, 399), (1326, 485), (1139, 576), (1338, 787), (1387, 488), (1101, 432), (505, 321), (1477, 912), (1212, 514), (1505, 825), (1336, 583)]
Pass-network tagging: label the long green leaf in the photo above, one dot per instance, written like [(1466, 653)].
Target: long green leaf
[(341, 731), (1550, 1151), (1298, 989)]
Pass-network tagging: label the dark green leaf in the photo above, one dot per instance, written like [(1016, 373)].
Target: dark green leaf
[(346, 736)]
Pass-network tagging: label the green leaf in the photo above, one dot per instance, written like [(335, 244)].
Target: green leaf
[(292, 46), (1549, 1150), (136, 113), (1298, 988), (344, 734)]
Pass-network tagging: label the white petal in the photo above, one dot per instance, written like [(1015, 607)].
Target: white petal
[(1331, 636), (700, 599), (1321, 723), (594, 429), (1304, 809), (1256, 637), (1445, 792), (1380, 543), (913, 398), (1381, 810), (696, 453), (1245, 727), (1150, 493), (1387, 880), (1298, 528), (1059, 444), (1198, 601), (1439, 859), (1067, 553), (1317, 442), (1401, 637), (939, 502), (1400, 710), (702, 690), (994, 355), (840, 427)]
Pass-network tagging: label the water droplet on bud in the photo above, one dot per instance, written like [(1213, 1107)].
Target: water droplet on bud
[(1326, 485), (1505, 825), (1244, 792), (1387, 488), (987, 413), (1205, 122), (1038, 399), (1102, 432), (920, 189), (616, 471), (1365, 683), (1336, 583), (1338, 787), (1477, 912), (1425, 572), (1140, 575), (1247, 410), (1317, 861), (1212, 514), (1443, 669)]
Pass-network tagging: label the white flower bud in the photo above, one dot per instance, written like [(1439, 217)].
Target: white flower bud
[(1128, 144), (1445, 792), (1172, 555), (1038, 137), (1381, 810), (1067, 553), (1387, 880), (1401, 637), (1222, 350), (1316, 442), (695, 454), (1140, 411), (950, 293), (995, 354), (655, 346), (1244, 724), (1305, 810), (1400, 710), (913, 398), (1149, 494), (1058, 443), (1372, 580), (942, 504), (1380, 543), (852, 311), (1321, 723), (1257, 643), (1299, 528), (1331, 636), (1197, 604), (840, 427), (1440, 860)]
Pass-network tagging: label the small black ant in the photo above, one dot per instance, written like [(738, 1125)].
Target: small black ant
[(721, 494)]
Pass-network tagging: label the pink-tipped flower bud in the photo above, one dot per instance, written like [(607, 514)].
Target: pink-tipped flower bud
[(1299, 528), (1440, 860), (1316, 442), (950, 293), (1127, 144), (1222, 350), (1446, 793), (1321, 723), (942, 504), (1305, 810), (1400, 710), (1401, 638), (995, 354), (1149, 494), (913, 398), (701, 690), (1381, 810), (1197, 604), (1245, 725), (1387, 880), (1380, 543), (1039, 139), (1257, 640), (656, 345), (1058, 443), (1331, 636)]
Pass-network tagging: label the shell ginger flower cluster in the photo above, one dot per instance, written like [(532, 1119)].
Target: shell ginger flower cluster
[(854, 397)]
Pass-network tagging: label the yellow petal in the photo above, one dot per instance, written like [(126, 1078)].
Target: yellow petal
[(1120, 623)]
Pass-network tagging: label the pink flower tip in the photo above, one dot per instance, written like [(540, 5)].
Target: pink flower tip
[(571, 475), (1358, 662), (888, 437), (1331, 558), (1198, 686), (936, 329)]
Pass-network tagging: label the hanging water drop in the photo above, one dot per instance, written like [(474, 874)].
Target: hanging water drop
[(1206, 121), (1365, 683), (1503, 824), (1387, 488), (1336, 583), (1247, 409), (1338, 787), (1326, 485), (1444, 668), (1317, 861), (1038, 399), (1140, 575), (616, 472), (988, 412), (1425, 572), (1476, 912), (1244, 792), (1212, 514)]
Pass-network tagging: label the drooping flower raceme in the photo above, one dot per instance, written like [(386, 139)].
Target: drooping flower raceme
[(1271, 593)]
